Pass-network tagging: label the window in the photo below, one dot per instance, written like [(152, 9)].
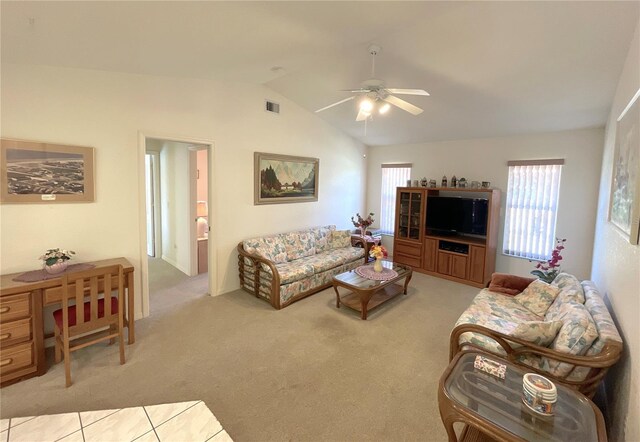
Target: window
[(393, 176), (531, 209)]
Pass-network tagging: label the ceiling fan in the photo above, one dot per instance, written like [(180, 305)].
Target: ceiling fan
[(377, 96)]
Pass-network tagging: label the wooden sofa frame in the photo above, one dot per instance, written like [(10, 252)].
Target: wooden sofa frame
[(598, 364), (260, 278)]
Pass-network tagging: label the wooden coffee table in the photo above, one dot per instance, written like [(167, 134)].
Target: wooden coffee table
[(366, 294)]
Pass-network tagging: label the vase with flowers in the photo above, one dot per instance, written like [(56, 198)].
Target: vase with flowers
[(549, 269), (378, 252), (362, 223), (56, 260)]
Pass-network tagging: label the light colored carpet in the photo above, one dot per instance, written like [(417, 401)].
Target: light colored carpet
[(307, 372)]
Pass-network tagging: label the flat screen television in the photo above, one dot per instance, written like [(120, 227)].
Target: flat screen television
[(457, 215)]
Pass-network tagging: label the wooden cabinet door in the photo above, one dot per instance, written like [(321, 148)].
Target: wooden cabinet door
[(430, 252), (459, 266), (444, 263), (476, 264)]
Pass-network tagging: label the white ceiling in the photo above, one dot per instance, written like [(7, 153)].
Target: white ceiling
[(492, 68)]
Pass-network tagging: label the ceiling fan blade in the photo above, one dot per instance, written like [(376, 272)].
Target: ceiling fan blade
[(362, 116), (404, 105), (335, 104), (356, 91), (407, 91)]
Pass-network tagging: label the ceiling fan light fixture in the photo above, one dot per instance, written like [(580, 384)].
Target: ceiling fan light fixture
[(366, 105), (384, 108)]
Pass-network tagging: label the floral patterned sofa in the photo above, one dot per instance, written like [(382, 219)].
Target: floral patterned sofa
[(562, 330), (286, 267)]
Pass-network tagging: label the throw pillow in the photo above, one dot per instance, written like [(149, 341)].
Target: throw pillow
[(322, 235), (299, 244), (538, 297), (577, 334), (340, 239), (508, 284)]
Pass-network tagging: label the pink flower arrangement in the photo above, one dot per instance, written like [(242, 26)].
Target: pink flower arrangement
[(378, 252), (548, 270)]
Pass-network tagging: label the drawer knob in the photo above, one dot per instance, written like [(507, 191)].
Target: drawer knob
[(6, 362), (5, 336), (5, 309)]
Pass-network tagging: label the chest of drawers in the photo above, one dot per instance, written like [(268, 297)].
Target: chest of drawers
[(20, 337)]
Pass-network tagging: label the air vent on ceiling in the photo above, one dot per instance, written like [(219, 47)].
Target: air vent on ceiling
[(270, 106)]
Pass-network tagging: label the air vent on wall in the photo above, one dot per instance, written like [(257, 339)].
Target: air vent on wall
[(270, 106)]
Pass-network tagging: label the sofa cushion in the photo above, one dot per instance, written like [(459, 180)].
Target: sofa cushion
[(333, 258), (571, 292), (502, 306), (607, 331), (576, 335), (299, 244), (323, 238), (269, 247), (538, 297), (537, 332), (570, 288), (340, 238), (293, 271)]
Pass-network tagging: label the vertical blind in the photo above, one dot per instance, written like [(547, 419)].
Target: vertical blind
[(393, 176), (531, 208)]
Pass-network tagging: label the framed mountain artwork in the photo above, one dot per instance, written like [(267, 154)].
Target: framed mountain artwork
[(285, 179)]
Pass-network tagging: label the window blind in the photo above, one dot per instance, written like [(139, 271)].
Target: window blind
[(531, 208), (393, 176)]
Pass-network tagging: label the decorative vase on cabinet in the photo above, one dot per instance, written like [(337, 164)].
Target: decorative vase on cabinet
[(56, 268)]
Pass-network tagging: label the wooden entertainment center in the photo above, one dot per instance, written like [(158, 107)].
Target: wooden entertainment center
[(469, 259)]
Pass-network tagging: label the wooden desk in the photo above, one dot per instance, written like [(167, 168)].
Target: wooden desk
[(22, 324)]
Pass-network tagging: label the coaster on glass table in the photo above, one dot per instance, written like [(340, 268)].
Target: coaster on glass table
[(488, 366), (367, 271)]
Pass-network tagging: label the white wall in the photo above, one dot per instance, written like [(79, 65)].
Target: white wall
[(486, 160), (175, 221), (107, 110), (616, 270)]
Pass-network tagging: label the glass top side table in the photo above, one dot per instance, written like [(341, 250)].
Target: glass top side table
[(494, 406)]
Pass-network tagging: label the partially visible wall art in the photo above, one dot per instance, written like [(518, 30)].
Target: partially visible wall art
[(33, 172), (624, 211), (285, 179)]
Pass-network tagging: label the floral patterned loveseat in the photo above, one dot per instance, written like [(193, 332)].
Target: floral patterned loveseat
[(562, 330), (286, 267)]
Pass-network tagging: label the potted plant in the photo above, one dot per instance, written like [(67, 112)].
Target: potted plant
[(56, 260), (548, 270)]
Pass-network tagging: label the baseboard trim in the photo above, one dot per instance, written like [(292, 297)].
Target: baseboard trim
[(175, 264)]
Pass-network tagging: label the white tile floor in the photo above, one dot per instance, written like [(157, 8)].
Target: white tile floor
[(183, 421)]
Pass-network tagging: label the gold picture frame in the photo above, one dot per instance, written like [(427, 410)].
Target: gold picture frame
[(36, 172), (283, 179)]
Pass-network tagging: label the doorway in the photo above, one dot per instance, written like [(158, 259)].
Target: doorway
[(151, 161), (177, 241)]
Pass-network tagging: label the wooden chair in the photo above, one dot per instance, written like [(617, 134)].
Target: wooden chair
[(97, 320)]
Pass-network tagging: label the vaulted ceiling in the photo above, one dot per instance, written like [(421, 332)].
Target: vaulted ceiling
[(492, 68)]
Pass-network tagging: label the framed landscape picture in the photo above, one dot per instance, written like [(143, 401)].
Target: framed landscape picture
[(285, 179), (34, 172), (624, 211)]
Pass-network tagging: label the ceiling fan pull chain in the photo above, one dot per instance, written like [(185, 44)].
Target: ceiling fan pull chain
[(373, 65)]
